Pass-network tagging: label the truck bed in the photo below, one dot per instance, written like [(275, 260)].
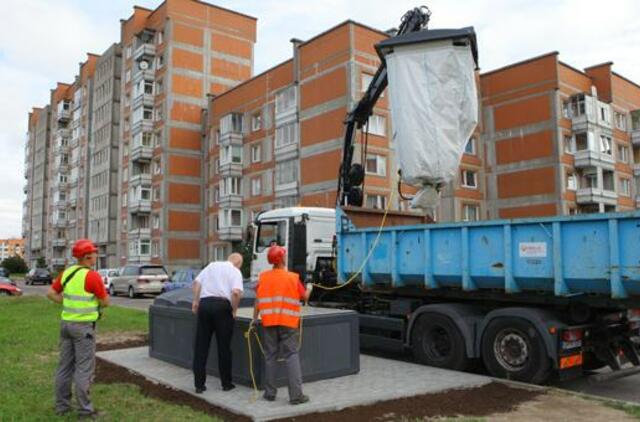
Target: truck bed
[(572, 256)]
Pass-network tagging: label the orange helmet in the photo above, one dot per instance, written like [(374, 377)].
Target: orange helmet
[(83, 247), (276, 254)]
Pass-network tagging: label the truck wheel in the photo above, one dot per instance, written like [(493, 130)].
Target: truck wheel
[(436, 341), (513, 349)]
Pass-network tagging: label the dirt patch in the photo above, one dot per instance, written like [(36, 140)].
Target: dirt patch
[(108, 373), (556, 406), (114, 341), (482, 401)]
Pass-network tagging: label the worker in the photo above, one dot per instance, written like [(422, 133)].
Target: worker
[(217, 291), (81, 292), (278, 296)]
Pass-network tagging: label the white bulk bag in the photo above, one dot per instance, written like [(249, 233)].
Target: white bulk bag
[(434, 107)]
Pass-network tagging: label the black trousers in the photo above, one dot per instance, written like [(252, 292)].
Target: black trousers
[(214, 314)]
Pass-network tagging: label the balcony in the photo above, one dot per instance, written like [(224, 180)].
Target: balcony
[(59, 148), (141, 232), (143, 74), (231, 138), (63, 115), (73, 202), (60, 185), (60, 203), (230, 233), (231, 169), (140, 206), (286, 189), (145, 51), (59, 243), (58, 262), (596, 196), (141, 153), (636, 169), (73, 182), (635, 137), (59, 222), (230, 201), (142, 99), (144, 125), (63, 132), (59, 167), (140, 179), (588, 158)]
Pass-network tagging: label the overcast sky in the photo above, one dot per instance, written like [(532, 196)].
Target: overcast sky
[(42, 42)]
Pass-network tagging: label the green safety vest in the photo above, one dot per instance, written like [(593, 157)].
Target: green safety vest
[(77, 304)]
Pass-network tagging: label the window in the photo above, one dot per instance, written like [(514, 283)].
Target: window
[(256, 122), (377, 202), (256, 186), (156, 193), (230, 218), (286, 135), (623, 153), (470, 147), (231, 154), (572, 181), (605, 144), (365, 81), (256, 153), (377, 125), (577, 105), (159, 86), (569, 146), (127, 76), (155, 248), (470, 212), (127, 52), (286, 100), (157, 166), (286, 172), (160, 61), (160, 37), (605, 114), (231, 123), (216, 194), (469, 179), (566, 109), (620, 121), (581, 141), (62, 178), (625, 187), (376, 164), (230, 186), (156, 221)]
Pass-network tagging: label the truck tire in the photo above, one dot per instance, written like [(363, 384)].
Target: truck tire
[(513, 349), (436, 341)]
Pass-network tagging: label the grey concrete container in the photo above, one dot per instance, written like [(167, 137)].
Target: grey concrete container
[(330, 342)]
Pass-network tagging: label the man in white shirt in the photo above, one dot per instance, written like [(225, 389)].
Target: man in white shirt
[(217, 291)]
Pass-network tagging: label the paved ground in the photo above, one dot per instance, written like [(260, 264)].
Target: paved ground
[(369, 386), (141, 303)]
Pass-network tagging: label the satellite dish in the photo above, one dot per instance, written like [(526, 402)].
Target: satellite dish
[(144, 65)]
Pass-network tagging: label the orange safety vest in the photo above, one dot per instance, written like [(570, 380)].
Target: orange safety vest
[(278, 298)]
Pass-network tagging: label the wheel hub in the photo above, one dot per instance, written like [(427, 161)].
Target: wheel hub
[(511, 349)]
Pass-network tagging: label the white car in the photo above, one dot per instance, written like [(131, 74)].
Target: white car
[(107, 274)]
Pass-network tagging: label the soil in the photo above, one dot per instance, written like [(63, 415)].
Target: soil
[(482, 401), (114, 341)]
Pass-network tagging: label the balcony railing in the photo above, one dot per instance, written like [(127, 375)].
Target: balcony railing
[(144, 125), (230, 201), (59, 243), (589, 158), (142, 99), (141, 232), (144, 51), (63, 115), (140, 206), (141, 153), (142, 178), (230, 233), (596, 196), (231, 138), (59, 222), (635, 137)]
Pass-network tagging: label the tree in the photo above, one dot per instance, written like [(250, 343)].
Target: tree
[(15, 264), (41, 263)]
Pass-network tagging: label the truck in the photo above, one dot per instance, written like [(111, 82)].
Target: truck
[(529, 298)]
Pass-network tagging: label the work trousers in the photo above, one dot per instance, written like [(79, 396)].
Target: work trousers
[(214, 314), (77, 364), (282, 343)]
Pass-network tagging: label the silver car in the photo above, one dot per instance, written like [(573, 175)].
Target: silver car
[(139, 279), (107, 274)]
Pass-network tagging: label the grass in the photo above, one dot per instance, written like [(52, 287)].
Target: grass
[(29, 328), (629, 409)]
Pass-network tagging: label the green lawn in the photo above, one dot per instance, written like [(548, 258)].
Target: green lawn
[(29, 350)]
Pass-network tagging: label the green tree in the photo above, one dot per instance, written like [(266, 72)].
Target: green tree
[(41, 263), (15, 264)]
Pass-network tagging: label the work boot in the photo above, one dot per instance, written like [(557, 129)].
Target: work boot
[(93, 415), (299, 400), (269, 398)]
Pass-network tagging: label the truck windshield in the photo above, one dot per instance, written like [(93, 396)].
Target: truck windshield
[(269, 232)]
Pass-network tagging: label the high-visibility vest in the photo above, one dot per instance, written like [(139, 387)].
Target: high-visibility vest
[(77, 304), (278, 298)]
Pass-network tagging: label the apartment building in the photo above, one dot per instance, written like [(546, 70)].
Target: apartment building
[(276, 140), (173, 56), (29, 155), (11, 247), (559, 140), (103, 159)]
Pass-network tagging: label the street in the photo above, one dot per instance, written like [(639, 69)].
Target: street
[(627, 389)]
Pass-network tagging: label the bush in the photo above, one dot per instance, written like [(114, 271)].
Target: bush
[(41, 263), (15, 264)]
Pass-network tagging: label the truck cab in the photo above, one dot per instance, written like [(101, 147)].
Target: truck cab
[(306, 233)]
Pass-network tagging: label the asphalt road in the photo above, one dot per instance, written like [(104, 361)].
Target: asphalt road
[(627, 389)]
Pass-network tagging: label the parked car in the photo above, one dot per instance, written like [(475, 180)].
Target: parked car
[(139, 279), (8, 289), (107, 274), (4, 279), (38, 275), (4, 272), (181, 278)]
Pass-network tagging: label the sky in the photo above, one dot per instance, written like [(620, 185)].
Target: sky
[(43, 41)]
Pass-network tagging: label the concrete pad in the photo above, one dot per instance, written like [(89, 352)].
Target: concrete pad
[(379, 379)]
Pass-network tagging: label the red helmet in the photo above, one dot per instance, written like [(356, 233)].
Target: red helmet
[(83, 247), (276, 254)]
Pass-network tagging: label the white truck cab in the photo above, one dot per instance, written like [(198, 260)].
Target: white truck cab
[(305, 232)]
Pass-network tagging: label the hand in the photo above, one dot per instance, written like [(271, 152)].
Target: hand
[(235, 314), (194, 307), (309, 287)]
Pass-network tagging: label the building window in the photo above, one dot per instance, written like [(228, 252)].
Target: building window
[(605, 145), (256, 186), (159, 37), (231, 154), (230, 186), (160, 61), (216, 194), (376, 164), (577, 105), (605, 114), (286, 135), (377, 125), (625, 187), (469, 179), (231, 123), (286, 100), (470, 147), (470, 212), (256, 153), (620, 121), (127, 76), (156, 221), (230, 218), (623, 153), (365, 81), (127, 52), (286, 172), (157, 166), (155, 248), (566, 109), (569, 144), (156, 193), (572, 181), (256, 122), (377, 202)]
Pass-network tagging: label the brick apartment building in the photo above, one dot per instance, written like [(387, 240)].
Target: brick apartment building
[(11, 247), (165, 147), (559, 140)]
